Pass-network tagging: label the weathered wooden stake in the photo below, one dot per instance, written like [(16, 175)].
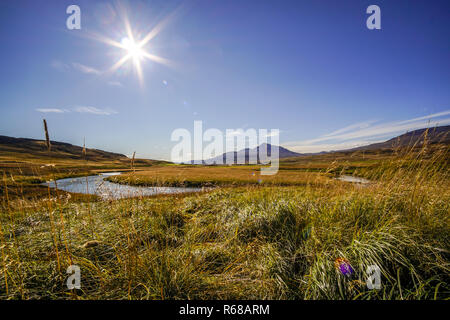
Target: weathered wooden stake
[(47, 138), (132, 161)]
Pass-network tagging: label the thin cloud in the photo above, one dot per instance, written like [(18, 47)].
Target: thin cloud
[(434, 115), (51, 110), (85, 69), (62, 66), (330, 146), (359, 125), (94, 110), (59, 65), (364, 133), (79, 109)]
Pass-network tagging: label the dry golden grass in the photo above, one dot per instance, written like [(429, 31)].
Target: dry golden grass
[(218, 176)]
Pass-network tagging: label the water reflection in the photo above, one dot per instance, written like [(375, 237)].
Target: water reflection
[(352, 179), (109, 190)]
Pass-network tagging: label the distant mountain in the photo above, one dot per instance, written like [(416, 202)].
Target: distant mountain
[(435, 135), (32, 147), (245, 154), (416, 137)]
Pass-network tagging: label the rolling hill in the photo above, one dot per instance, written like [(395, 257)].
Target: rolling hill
[(416, 137), (61, 150), (245, 154)]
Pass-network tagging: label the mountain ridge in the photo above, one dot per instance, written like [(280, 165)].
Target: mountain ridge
[(435, 135), (245, 154), (58, 149), (415, 137)]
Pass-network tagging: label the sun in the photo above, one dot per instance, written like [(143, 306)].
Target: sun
[(133, 49)]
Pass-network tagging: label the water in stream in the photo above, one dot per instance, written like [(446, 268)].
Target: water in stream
[(352, 179), (109, 190)]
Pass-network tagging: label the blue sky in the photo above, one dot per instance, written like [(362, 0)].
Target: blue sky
[(309, 68)]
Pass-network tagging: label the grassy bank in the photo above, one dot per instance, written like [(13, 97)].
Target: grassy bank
[(217, 176)]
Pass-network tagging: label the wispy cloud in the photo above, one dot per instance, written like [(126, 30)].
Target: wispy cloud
[(359, 125), (62, 66), (367, 132), (51, 110), (80, 109), (94, 110), (59, 65), (85, 69), (305, 148)]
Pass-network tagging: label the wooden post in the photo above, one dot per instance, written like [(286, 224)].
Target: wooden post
[(84, 148), (47, 138)]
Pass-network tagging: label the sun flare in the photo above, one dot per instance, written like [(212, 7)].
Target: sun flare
[(134, 49)]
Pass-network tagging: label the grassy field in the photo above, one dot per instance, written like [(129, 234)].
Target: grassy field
[(277, 238), (213, 176)]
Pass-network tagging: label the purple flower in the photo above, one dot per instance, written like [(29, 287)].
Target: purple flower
[(344, 266)]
